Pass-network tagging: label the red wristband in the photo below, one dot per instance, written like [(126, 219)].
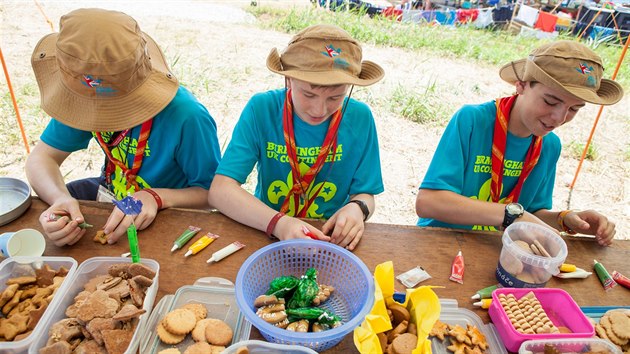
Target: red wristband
[(156, 196), (272, 224)]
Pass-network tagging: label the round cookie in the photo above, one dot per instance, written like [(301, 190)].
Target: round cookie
[(199, 310), (404, 343), (199, 332), (218, 332), (168, 337), (199, 348), (170, 351), (179, 321), (399, 312)]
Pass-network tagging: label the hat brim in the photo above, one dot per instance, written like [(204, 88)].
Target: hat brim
[(370, 73), (106, 113), (609, 92)]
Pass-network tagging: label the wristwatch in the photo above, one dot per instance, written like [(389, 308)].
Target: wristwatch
[(363, 206), (513, 211)]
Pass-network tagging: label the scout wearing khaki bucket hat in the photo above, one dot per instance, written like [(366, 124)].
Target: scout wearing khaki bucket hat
[(101, 72), (568, 66), (325, 55)]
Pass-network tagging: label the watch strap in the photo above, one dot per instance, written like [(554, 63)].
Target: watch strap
[(363, 205)]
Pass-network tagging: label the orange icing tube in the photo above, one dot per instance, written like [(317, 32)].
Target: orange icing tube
[(225, 251), (201, 243)]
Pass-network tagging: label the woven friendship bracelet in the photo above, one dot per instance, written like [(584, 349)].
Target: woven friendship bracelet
[(156, 196), (564, 227), (272, 224)]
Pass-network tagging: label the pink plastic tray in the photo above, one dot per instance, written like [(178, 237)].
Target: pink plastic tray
[(558, 305)]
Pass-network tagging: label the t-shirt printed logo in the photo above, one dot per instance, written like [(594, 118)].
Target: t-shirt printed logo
[(279, 189), (483, 164)]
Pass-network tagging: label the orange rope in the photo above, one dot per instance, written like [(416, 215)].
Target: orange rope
[(601, 108), (52, 27), (15, 106)]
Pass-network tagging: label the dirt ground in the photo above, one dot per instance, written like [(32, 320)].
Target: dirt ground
[(217, 50)]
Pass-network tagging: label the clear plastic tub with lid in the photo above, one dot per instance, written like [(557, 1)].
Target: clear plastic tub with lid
[(88, 270), (26, 266), (569, 346), (217, 296)]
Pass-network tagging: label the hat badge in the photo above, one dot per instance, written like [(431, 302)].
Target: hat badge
[(90, 81)]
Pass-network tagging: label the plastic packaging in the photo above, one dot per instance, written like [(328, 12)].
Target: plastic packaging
[(260, 347), (557, 303), (413, 277), (457, 269), (483, 303), (19, 266), (518, 267), (90, 268), (216, 294)]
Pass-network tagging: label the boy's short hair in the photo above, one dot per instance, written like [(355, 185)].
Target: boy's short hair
[(100, 72), (568, 66), (324, 55)]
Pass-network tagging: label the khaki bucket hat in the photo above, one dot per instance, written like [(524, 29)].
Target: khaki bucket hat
[(568, 66), (324, 55), (101, 72)]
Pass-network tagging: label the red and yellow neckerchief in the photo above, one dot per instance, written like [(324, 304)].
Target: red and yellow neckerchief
[(301, 184), (128, 173), (499, 140)]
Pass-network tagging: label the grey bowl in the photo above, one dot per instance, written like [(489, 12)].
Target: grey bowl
[(15, 198)]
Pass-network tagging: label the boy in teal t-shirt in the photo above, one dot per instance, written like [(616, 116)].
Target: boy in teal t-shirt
[(314, 147), (102, 78), (496, 161)]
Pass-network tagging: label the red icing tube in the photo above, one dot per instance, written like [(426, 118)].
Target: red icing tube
[(457, 269), (621, 279)]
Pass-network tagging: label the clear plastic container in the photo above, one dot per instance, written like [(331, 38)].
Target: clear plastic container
[(90, 268), (518, 267), (23, 266), (570, 346), (216, 294), (559, 306), (453, 315), (260, 347)]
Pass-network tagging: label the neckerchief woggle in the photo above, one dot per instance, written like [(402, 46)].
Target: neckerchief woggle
[(128, 173), (301, 184), (499, 141)]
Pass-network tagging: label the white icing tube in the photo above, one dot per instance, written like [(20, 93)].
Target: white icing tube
[(225, 251)]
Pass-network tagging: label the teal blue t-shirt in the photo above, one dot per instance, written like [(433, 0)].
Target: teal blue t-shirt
[(258, 139), (182, 150), (462, 163)]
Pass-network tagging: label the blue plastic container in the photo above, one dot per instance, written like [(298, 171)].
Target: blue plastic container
[(352, 299)]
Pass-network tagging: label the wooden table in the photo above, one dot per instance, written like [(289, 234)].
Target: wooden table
[(407, 246)]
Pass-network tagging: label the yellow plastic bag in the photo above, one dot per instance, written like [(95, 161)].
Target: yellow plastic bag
[(422, 303)]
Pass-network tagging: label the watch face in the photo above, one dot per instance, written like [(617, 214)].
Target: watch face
[(515, 209)]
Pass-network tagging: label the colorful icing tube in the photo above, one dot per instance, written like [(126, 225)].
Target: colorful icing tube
[(484, 303), (225, 251), (621, 279), (185, 237), (485, 293), (605, 278), (457, 269), (201, 243)]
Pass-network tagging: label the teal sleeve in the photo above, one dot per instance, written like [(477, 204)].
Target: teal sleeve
[(65, 138)]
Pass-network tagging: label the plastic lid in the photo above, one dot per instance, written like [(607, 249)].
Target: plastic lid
[(570, 345)]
